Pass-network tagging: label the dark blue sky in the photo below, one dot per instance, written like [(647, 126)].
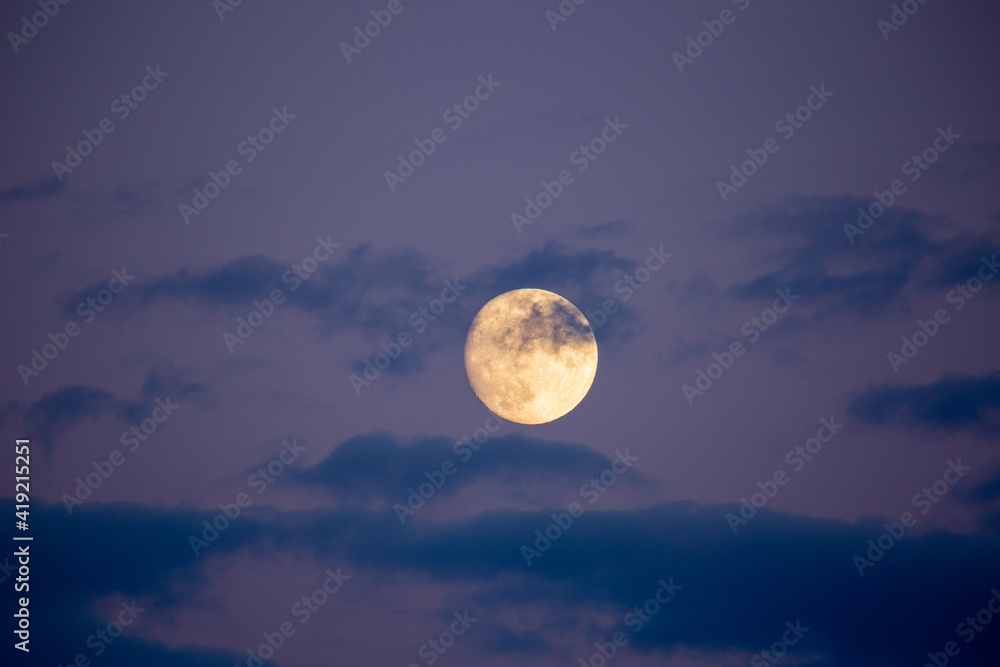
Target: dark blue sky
[(217, 222)]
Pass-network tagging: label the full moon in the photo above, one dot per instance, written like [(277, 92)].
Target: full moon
[(531, 356)]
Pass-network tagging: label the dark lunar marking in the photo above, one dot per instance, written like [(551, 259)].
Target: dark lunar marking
[(552, 321)]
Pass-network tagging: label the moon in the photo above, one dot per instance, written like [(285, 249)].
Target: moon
[(531, 356)]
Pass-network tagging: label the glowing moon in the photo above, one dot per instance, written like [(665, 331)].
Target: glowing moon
[(531, 356)]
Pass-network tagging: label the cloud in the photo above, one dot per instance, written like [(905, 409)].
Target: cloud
[(58, 411), (130, 198), (44, 187), (555, 266), (802, 242), (104, 550), (988, 490), (953, 403), (614, 229), (376, 467), (985, 498), (501, 640), (238, 282), (737, 591), (363, 290), (161, 383), (375, 293)]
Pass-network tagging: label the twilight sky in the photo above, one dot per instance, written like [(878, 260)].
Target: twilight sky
[(781, 219)]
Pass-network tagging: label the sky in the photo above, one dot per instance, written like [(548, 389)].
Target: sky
[(219, 220)]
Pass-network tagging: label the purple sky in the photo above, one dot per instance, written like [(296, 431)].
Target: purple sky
[(646, 143)]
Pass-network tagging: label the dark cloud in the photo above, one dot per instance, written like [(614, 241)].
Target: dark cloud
[(57, 412), (163, 383), (44, 187), (985, 498), (124, 549), (988, 490), (964, 264), (130, 198), (738, 590), (238, 282), (361, 284), (361, 291), (612, 229), (953, 403), (376, 467), (990, 522), (554, 267), (380, 293), (501, 640), (802, 241)]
